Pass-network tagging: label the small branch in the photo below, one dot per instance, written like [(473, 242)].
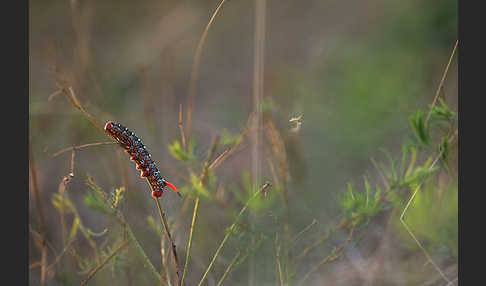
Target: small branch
[(58, 258), (230, 231), (202, 179), (442, 80), (229, 268), (279, 266), (429, 258), (318, 242), (174, 252), (81, 147), (40, 215), (69, 92), (189, 243), (97, 268), (227, 153), (314, 221), (335, 254)]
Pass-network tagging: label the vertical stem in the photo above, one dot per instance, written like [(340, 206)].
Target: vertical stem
[(42, 230), (259, 44), (174, 252), (189, 244), (202, 179)]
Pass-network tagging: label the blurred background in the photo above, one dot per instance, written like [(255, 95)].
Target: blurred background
[(354, 70)]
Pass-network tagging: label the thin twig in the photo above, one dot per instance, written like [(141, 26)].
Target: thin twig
[(79, 147), (99, 266), (173, 246), (74, 100), (164, 263), (279, 266), (202, 179), (427, 255), (451, 139), (228, 152), (318, 242), (58, 258), (195, 70), (442, 80), (335, 254), (297, 236), (229, 268), (230, 231), (40, 215)]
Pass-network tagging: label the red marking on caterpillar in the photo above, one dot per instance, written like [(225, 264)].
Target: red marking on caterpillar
[(138, 153)]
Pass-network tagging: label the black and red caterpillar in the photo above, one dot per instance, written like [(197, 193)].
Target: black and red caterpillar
[(138, 153)]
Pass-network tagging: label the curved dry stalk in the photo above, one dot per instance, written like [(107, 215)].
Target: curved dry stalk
[(195, 69), (451, 139), (442, 80)]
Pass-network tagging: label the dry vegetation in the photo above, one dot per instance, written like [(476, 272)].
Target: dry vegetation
[(238, 221)]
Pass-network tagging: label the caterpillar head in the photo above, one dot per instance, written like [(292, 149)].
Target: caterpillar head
[(113, 130)]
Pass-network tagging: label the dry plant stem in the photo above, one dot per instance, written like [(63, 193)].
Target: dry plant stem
[(58, 258), (189, 243), (99, 266), (427, 255), (230, 231), (229, 268), (227, 153), (279, 266), (335, 254), (441, 84), (195, 70), (202, 179), (81, 147), (296, 237), (451, 139), (318, 242), (173, 246), (164, 262), (74, 100), (40, 215)]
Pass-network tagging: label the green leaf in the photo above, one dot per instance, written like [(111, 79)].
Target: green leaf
[(94, 202), (178, 153), (200, 189), (419, 128)]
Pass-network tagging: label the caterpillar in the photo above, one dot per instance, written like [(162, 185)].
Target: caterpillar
[(138, 153)]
